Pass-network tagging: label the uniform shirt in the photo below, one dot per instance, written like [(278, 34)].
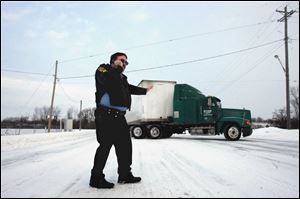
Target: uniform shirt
[(105, 101)]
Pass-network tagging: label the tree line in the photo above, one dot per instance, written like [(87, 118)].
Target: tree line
[(40, 116), (279, 118)]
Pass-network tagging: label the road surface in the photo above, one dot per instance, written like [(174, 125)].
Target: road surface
[(263, 165)]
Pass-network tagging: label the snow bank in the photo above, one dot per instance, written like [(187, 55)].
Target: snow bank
[(24, 141), (276, 134)]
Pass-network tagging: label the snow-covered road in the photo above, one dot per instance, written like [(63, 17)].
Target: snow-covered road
[(265, 164)]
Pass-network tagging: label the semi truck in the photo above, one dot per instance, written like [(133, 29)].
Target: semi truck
[(170, 108)]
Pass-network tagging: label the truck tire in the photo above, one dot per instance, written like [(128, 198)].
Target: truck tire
[(155, 132), (232, 132), (138, 132)]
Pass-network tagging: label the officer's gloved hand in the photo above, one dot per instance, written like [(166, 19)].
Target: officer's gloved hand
[(120, 69), (115, 68), (118, 64)]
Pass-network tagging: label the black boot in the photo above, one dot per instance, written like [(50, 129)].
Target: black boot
[(98, 181), (129, 179)]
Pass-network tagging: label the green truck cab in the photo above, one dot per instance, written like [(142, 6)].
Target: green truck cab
[(192, 108), (174, 108)]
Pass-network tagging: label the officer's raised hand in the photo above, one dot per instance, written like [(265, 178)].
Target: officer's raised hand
[(149, 88)]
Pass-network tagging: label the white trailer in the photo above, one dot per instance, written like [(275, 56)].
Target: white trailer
[(157, 105)]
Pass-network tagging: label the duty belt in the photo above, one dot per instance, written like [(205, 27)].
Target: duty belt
[(111, 111)]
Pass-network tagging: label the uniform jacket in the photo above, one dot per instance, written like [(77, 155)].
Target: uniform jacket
[(112, 81)]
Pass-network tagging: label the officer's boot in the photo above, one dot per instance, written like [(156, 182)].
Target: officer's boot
[(98, 181), (129, 179)]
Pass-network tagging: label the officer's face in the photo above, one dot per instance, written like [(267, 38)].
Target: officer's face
[(121, 61)]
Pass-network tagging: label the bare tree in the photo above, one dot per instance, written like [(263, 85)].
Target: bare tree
[(88, 114), (56, 112), (36, 114), (280, 117), (72, 112), (259, 119), (88, 117), (42, 113)]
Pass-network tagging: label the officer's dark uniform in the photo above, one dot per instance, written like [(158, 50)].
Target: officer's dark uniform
[(111, 125)]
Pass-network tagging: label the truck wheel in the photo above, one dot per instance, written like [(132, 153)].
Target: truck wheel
[(232, 132), (155, 132), (138, 132)]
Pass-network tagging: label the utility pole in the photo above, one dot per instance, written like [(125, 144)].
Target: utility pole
[(286, 14), (80, 115), (52, 99)]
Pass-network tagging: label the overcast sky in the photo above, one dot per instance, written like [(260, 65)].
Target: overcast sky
[(35, 34)]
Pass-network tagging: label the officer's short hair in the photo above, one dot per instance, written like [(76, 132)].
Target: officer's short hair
[(114, 56)]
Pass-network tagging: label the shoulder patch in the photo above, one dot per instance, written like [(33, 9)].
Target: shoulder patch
[(102, 69)]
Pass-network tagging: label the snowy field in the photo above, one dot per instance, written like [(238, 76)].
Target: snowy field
[(265, 164)]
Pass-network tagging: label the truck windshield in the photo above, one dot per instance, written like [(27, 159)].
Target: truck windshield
[(219, 104)]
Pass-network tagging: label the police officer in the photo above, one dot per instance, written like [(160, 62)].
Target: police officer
[(113, 98)]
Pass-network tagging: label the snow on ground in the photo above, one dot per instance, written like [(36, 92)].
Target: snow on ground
[(32, 140), (265, 164)]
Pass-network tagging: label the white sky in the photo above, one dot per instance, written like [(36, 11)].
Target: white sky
[(35, 34)]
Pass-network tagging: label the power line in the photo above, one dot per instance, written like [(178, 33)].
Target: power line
[(260, 61), (259, 37), (187, 62), (152, 68), (244, 59), (38, 87), (292, 7), (256, 37), (208, 58), (169, 40), (236, 61), (76, 77), (64, 91), (23, 72)]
